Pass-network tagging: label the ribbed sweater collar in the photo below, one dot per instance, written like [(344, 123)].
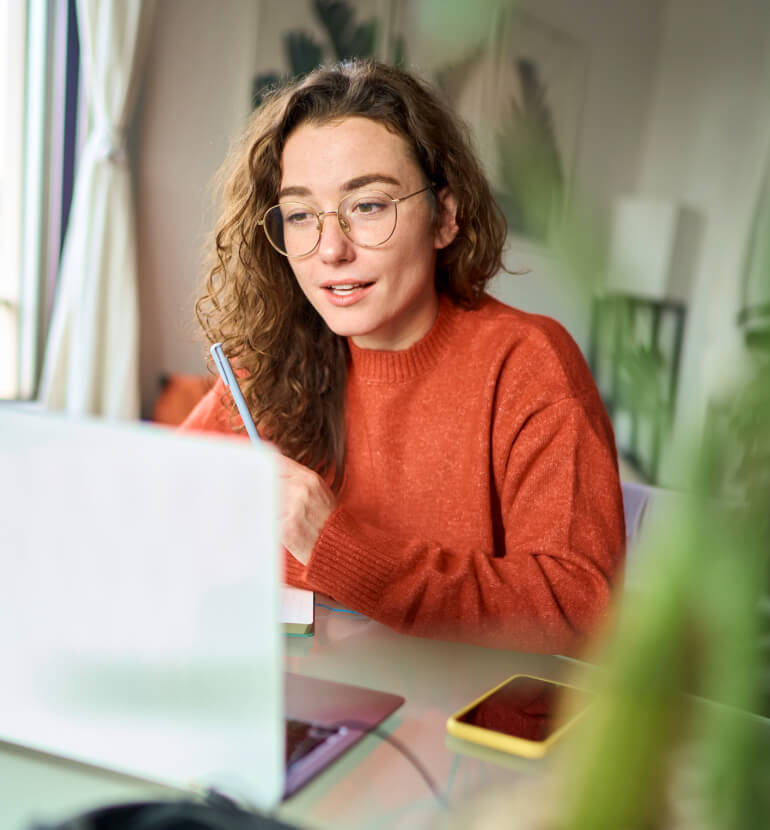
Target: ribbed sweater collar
[(390, 366)]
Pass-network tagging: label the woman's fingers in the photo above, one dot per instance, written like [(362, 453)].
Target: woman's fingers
[(307, 504)]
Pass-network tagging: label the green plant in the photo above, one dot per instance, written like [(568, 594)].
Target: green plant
[(687, 664)]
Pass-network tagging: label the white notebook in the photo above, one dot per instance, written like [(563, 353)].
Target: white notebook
[(297, 614)]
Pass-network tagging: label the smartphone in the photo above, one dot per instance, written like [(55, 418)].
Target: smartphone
[(524, 715)]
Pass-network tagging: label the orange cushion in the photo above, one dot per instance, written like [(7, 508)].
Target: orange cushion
[(178, 396)]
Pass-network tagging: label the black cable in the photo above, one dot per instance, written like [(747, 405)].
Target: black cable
[(368, 729)]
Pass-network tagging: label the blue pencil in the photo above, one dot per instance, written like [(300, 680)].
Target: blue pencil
[(231, 382)]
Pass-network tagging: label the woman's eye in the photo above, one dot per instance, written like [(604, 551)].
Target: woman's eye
[(368, 207), (298, 217)]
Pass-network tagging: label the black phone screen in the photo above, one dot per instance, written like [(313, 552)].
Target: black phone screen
[(524, 707)]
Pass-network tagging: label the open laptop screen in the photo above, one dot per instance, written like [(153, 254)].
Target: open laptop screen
[(139, 602)]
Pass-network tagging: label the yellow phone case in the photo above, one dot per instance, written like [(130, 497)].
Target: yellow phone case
[(510, 743)]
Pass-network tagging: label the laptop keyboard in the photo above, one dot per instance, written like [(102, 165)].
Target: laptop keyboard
[(303, 737)]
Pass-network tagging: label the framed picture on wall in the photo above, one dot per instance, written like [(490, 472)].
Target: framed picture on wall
[(520, 86)]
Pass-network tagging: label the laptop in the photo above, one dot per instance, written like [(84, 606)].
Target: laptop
[(139, 611)]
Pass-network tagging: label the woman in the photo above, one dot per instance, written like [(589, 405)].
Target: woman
[(448, 466)]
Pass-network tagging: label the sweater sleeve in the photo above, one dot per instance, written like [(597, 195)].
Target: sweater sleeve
[(548, 582), (210, 413)]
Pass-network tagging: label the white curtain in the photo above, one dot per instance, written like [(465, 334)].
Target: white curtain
[(91, 361)]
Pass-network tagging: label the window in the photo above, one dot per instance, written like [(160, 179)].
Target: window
[(12, 63), (39, 76)]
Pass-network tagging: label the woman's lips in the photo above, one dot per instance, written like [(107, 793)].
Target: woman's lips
[(347, 293)]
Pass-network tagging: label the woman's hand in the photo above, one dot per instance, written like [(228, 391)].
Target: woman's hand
[(307, 504)]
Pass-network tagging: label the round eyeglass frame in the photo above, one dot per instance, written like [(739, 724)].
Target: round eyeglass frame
[(322, 214)]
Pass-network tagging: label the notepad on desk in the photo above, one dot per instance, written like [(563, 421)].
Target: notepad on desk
[(297, 611)]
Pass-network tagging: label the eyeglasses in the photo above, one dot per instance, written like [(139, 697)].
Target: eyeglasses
[(367, 217)]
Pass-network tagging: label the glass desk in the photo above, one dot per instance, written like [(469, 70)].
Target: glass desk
[(373, 785)]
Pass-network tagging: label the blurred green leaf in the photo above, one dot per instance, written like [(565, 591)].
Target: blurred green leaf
[(303, 52), (348, 39), (261, 84)]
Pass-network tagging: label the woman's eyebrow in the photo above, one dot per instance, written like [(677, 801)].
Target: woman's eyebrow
[(293, 190), (363, 181), (352, 184)]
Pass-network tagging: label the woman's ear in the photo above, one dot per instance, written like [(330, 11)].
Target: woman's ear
[(446, 219)]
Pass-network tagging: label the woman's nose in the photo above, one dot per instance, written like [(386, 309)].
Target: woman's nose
[(334, 244)]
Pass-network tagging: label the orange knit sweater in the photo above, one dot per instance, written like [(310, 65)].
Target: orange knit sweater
[(481, 500)]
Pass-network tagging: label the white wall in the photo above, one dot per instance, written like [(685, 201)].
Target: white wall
[(622, 41), (707, 141)]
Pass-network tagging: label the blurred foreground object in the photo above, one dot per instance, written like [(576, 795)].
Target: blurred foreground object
[(679, 736)]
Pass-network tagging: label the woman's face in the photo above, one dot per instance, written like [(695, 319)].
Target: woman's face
[(383, 297)]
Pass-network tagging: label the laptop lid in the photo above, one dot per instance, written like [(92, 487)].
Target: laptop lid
[(139, 602)]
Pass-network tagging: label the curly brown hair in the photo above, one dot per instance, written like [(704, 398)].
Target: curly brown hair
[(293, 368)]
